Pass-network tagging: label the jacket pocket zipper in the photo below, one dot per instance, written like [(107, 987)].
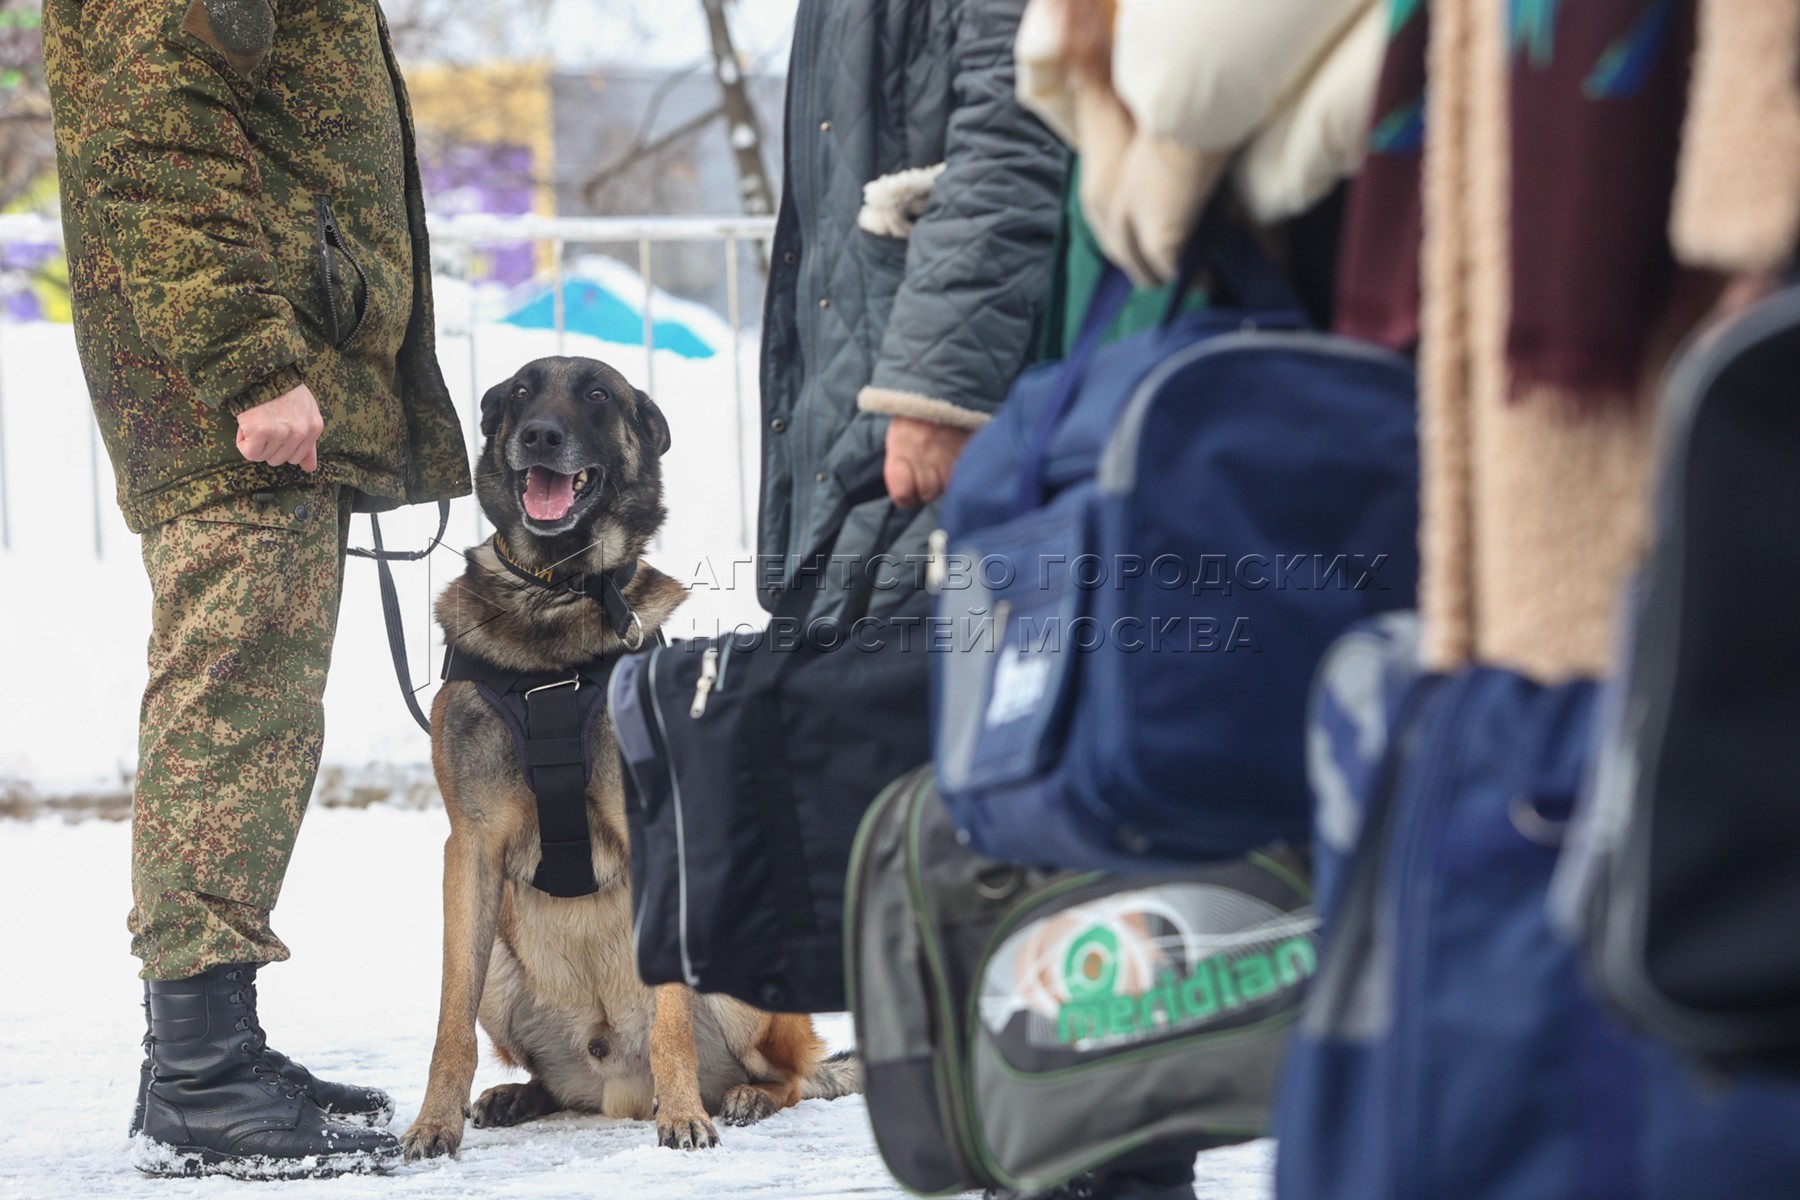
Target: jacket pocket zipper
[(331, 237)]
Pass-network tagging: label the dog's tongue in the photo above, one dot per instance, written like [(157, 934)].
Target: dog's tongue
[(548, 496)]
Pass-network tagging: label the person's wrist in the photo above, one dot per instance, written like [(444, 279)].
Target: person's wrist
[(277, 383)]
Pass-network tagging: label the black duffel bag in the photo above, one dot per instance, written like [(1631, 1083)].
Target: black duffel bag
[(749, 762), (1684, 872)]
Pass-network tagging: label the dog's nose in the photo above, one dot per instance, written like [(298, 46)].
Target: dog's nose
[(547, 434)]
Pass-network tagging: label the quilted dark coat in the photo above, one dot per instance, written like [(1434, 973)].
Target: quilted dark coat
[(935, 325)]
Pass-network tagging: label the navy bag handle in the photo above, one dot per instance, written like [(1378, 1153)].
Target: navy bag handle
[(1253, 282), (1108, 301)]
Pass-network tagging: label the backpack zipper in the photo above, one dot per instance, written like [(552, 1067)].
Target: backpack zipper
[(937, 562), (681, 864), (709, 675), (1418, 831)]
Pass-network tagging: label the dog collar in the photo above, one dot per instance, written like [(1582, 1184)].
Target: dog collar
[(605, 588)]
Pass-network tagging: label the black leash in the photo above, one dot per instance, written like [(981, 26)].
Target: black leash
[(607, 589), (390, 600)]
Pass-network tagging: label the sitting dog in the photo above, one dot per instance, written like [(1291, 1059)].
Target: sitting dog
[(537, 922)]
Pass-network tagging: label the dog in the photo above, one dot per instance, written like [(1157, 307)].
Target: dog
[(570, 477)]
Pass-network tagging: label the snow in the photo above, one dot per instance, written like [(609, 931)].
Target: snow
[(362, 902), (358, 1001)]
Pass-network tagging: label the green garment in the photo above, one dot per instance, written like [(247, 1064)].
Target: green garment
[(243, 213), (1079, 265)]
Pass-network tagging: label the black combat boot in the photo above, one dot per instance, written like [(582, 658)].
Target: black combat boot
[(215, 1104), (345, 1102)]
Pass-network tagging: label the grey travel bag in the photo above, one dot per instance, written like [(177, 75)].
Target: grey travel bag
[(1019, 1026)]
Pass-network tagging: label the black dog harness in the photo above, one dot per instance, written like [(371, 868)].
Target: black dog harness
[(551, 715)]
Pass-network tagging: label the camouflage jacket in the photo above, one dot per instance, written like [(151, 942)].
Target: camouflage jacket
[(242, 211)]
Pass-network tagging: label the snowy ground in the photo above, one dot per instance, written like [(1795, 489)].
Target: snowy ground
[(358, 1001)]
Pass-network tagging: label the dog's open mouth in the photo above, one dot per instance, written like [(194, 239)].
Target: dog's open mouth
[(549, 496)]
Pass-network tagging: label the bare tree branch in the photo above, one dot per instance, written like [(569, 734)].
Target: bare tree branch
[(641, 150)]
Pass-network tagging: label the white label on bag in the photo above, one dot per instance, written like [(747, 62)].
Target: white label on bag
[(1020, 680)]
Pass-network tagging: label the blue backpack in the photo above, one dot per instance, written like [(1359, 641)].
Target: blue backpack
[(1451, 1046), (1148, 551)]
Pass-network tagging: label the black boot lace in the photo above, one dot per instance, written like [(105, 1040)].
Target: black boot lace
[(258, 1042)]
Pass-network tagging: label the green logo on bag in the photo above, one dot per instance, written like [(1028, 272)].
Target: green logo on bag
[(1092, 965), (1216, 986)]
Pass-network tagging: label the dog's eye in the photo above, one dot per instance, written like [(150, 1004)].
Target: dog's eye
[(520, 392), (599, 396)]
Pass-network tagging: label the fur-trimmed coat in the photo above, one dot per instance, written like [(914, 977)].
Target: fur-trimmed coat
[(1536, 507), (917, 297)]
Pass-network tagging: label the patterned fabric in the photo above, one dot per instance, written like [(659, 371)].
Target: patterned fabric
[(245, 596), (1378, 270), (1597, 94), (242, 212)]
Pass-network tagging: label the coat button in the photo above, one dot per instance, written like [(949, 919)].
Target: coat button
[(300, 513), (778, 425), (824, 126), (825, 302), (790, 258), (821, 477)]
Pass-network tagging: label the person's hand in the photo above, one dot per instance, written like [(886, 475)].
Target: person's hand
[(283, 430), (920, 457)]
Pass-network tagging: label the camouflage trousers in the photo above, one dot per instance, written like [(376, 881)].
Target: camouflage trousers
[(245, 594)]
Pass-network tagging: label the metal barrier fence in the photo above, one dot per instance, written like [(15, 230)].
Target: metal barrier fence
[(456, 242)]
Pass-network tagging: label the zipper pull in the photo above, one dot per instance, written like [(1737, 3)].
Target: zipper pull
[(937, 562), (709, 674)]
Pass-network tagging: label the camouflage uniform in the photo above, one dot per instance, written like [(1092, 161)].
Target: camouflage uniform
[(243, 213), (245, 603)]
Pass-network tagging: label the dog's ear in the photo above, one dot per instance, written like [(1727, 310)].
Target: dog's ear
[(654, 425), (493, 405)]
